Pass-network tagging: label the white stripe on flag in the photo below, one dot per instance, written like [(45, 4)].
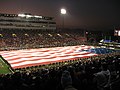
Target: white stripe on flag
[(20, 58)]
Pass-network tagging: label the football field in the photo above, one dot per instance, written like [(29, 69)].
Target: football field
[(4, 68)]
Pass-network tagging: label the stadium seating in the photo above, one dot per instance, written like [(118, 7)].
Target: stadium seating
[(11, 39)]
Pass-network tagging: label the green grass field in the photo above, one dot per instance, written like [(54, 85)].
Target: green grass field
[(4, 68)]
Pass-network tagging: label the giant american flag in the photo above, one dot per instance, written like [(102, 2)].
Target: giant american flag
[(33, 57)]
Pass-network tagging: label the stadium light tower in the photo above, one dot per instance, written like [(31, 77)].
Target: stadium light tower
[(63, 12)]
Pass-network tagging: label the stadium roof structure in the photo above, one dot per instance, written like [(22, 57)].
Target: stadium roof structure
[(26, 21)]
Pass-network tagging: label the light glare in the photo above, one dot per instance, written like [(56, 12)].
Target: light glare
[(63, 11), (21, 15)]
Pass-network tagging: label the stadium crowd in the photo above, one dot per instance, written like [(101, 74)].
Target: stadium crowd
[(38, 39), (100, 72), (93, 73)]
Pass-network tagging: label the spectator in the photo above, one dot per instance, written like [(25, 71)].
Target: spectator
[(66, 81), (102, 78)]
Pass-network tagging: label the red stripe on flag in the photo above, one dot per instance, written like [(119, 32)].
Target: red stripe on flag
[(32, 57)]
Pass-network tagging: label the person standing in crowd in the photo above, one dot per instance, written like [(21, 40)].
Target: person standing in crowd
[(102, 78), (66, 81)]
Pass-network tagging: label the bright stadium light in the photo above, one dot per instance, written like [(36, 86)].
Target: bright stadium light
[(29, 16), (37, 16), (21, 15), (63, 11)]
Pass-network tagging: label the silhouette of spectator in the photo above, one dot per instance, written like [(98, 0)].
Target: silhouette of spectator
[(66, 81), (102, 78)]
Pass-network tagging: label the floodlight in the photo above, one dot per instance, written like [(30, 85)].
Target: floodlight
[(63, 11)]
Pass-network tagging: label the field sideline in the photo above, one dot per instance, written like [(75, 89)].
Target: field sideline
[(4, 68)]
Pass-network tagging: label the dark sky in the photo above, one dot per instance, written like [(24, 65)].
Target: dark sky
[(80, 13)]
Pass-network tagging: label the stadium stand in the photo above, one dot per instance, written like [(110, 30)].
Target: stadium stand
[(24, 39)]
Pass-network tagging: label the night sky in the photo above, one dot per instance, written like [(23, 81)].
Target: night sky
[(80, 13)]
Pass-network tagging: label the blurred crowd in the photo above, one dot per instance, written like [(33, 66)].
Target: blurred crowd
[(10, 40), (94, 73)]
